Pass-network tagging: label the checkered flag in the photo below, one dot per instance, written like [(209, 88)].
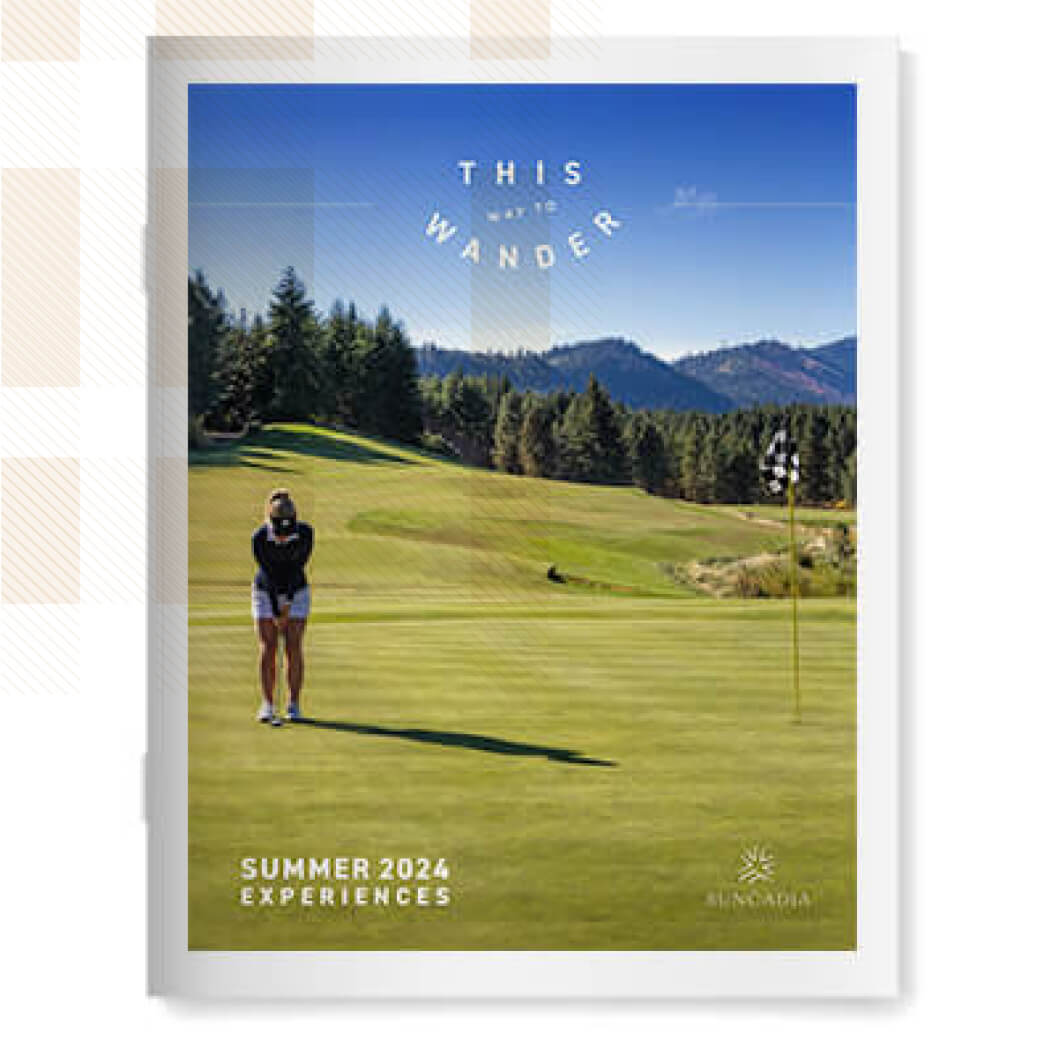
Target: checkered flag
[(781, 463)]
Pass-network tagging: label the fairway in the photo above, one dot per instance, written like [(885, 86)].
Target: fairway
[(590, 759)]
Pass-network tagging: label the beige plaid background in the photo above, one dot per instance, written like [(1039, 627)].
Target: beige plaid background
[(74, 468)]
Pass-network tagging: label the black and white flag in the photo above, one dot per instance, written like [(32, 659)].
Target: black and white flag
[(781, 463)]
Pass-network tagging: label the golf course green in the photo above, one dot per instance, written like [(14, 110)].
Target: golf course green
[(589, 759)]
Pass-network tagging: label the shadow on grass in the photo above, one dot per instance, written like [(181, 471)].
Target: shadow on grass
[(474, 741), (263, 448)]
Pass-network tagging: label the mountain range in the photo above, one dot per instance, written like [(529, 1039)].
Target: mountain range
[(724, 379)]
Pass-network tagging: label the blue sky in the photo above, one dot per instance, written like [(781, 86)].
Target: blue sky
[(736, 203)]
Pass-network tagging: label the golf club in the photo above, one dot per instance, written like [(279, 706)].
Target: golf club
[(275, 719)]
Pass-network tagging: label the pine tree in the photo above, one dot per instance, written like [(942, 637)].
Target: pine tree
[(467, 408), (591, 448), (648, 461), (233, 410), (611, 462), (387, 398), (431, 397), (689, 462), (292, 357), (366, 363), (537, 450), (849, 486), (814, 463), (576, 446), (339, 367), (737, 473), (700, 463), (262, 369), (207, 327), (403, 409), (506, 440)]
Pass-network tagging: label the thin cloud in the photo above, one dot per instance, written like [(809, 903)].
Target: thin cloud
[(690, 199)]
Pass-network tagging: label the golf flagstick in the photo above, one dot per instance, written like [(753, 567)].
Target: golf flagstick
[(780, 468), (795, 588)]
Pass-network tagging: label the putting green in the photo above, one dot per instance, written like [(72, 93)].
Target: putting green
[(590, 759)]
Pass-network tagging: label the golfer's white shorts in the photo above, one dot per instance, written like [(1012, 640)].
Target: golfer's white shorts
[(299, 607)]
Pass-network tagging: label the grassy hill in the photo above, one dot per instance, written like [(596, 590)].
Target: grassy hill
[(590, 758)]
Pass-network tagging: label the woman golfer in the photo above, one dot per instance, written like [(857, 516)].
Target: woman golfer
[(281, 599)]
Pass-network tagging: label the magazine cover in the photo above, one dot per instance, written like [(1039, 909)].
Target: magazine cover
[(511, 564)]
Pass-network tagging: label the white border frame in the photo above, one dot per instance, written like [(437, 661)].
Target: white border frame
[(869, 971)]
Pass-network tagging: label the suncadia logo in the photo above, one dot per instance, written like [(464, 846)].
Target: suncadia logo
[(755, 889), (757, 865)]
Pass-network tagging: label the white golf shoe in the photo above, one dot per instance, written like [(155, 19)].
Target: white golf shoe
[(266, 714)]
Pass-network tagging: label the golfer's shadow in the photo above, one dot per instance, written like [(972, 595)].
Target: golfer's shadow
[(474, 741)]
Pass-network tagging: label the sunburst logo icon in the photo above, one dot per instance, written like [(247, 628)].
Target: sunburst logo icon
[(756, 865)]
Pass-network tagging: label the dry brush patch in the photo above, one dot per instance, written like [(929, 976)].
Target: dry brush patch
[(826, 566)]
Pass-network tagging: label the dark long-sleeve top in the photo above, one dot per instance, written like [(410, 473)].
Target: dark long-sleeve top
[(280, 566)]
